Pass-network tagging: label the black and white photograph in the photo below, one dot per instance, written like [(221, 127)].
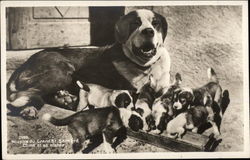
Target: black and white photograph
[(124, 79)]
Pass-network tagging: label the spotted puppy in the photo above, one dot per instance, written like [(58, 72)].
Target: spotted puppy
[(190, 119), (162, 109), (99, 96), (107, 121), (209, 95)]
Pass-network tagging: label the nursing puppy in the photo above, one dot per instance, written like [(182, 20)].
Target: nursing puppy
[(162, 109), (106, 121), (99, 96)]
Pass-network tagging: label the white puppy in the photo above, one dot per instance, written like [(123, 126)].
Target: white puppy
[(99, 96)]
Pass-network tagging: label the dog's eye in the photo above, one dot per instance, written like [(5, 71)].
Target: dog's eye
[(136, 23), (156, 23), (183, 100)]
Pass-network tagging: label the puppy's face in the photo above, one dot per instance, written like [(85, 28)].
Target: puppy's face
[(141, 33), (182, 99), (123, 100)]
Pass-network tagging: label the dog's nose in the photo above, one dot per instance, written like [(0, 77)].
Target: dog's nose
[(149, 32)]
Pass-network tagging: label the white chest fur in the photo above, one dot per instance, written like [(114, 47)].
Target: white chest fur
[(137, 77)]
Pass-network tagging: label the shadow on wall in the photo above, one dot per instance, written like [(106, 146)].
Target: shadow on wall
[(102, 22)]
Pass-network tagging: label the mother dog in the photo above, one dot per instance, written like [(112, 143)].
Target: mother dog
[(137, 53)]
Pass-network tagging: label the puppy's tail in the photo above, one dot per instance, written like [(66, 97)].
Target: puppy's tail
[(55, 121), (83, 86), (212, 75)]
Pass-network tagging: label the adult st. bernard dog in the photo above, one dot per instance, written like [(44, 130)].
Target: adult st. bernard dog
[(137, 53)]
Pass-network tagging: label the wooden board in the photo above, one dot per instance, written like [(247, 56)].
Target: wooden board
[(190, 142)]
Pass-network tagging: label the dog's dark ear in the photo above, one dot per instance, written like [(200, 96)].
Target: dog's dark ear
[(164, 25), (178, 79), (122, 30)]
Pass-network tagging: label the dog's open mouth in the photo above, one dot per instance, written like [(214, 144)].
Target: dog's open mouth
[(146, 51)]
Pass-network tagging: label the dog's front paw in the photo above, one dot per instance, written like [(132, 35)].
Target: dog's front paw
[(65, 99), (29, 113)]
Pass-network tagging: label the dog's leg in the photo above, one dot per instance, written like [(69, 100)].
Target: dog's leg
[(95, 141), (107, 141), (29, 102), (121, 136), (83, 100), (216, 131), (78, 139)]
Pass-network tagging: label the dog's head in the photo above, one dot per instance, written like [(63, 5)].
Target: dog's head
[(131, 119), (183, 97), (135, 122), (123, 99), (141, 34)]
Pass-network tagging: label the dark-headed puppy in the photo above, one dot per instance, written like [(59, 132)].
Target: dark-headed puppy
[(162, 109), (99, 96), (106, 121)]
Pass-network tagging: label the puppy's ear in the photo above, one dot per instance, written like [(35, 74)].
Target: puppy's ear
[(152, 81), (134, 95), (178, 79), (164, 25)]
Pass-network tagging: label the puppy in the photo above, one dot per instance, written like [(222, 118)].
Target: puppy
[(162, 109), (209, 95), (176, 127), (98, 96), (144, 103), (192, 119), (107, 121)]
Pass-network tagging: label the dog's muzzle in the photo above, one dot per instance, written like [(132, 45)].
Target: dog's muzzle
[(146, 51)]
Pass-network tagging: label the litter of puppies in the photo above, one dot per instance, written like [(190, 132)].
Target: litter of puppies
[(175, 112)]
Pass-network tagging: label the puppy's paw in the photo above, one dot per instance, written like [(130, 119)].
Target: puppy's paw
[(29, 113), (65, 99), (157, 131), (218, 137)]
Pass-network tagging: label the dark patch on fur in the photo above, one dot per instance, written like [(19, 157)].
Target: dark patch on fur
[(135, 123), (165, 118), (123, 100), (197, 115), (140, 111), (150, 122)]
